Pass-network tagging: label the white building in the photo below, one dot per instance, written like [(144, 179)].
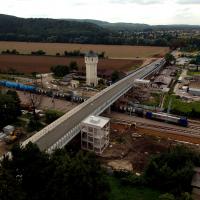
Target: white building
[(74, 83), (194, 88), (8, 129), (95, 134), (194, 91), (183, 61), (91, 61)]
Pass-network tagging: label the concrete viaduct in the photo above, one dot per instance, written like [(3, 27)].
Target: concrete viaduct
[(63, 130)]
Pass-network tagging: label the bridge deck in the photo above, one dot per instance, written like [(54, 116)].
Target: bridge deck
[(51, 134)]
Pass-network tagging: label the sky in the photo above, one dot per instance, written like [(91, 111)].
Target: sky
[(134, 11)]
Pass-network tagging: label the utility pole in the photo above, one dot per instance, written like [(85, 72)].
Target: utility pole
[(169, 105)]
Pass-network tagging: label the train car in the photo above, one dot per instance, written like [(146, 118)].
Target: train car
[(18, 86), (139, 112), (182, 121)]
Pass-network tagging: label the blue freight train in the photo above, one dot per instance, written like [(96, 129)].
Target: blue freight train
[(182, 121), (18, 86), (37, 90)]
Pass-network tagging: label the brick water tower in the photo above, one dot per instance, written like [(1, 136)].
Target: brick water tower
[(91, 61)]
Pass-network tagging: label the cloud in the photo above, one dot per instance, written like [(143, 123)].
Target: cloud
[(142, 2), (135, 11), (188, 1)]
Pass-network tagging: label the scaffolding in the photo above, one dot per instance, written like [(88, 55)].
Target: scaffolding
[(95, 134)]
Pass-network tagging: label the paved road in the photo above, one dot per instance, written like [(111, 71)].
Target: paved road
[(60, 127)]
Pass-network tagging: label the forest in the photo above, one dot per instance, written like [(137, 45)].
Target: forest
[(97, 32)]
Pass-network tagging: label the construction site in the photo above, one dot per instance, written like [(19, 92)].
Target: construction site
[(133, 143), (141, 123)]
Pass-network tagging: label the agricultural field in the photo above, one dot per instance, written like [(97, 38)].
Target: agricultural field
[(42, 64), (111, 51)]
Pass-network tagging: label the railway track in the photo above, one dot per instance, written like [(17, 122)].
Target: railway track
[(192, 131), (189, 135), (194, 121)]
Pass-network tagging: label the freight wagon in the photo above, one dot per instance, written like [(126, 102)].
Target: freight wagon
[(18, 86), (181, 121)]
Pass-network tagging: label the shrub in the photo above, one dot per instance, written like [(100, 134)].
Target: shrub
[(166, 196), (52, 115)]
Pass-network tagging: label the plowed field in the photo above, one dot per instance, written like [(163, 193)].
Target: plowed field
[(42, 64), (111, 51)]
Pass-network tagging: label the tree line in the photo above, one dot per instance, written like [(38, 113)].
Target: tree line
[(9, 107), (62, 70), (40, 52), (35, 175), (74, 31)]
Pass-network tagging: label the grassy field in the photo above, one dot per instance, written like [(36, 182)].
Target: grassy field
[(42, 64), (112, 51), (191, 73), (119, 192), (183, 108)]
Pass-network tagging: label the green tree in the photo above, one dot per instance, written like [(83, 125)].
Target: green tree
[(169, 58), (196, 61), (172, 171), (167, 196), (73, 65), (9, 108), (10, 188), (52, 115), (34, 124), (34, 74), (115, 76), (186, 196), (39, 176), (91, 178), (60, 70), (38, 53), (101, 82), (34, 170)]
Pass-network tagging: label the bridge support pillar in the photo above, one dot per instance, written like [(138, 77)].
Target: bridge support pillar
[(108, 110)]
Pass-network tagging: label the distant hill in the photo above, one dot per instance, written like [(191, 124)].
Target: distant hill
[(52, 30), (92, 32), (121, 26)]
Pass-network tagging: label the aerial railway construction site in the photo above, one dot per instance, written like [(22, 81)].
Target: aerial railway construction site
[(146, 87), (60, 132)]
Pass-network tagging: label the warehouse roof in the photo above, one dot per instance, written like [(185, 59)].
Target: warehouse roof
[(165, 80)]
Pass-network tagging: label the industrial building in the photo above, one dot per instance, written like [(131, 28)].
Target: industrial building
[(183, 61), (74, 83), (162, 82), (91, 61), (95, 132), (194, 86)]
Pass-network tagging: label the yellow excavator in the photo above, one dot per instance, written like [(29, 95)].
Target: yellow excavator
[(12, 137)]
